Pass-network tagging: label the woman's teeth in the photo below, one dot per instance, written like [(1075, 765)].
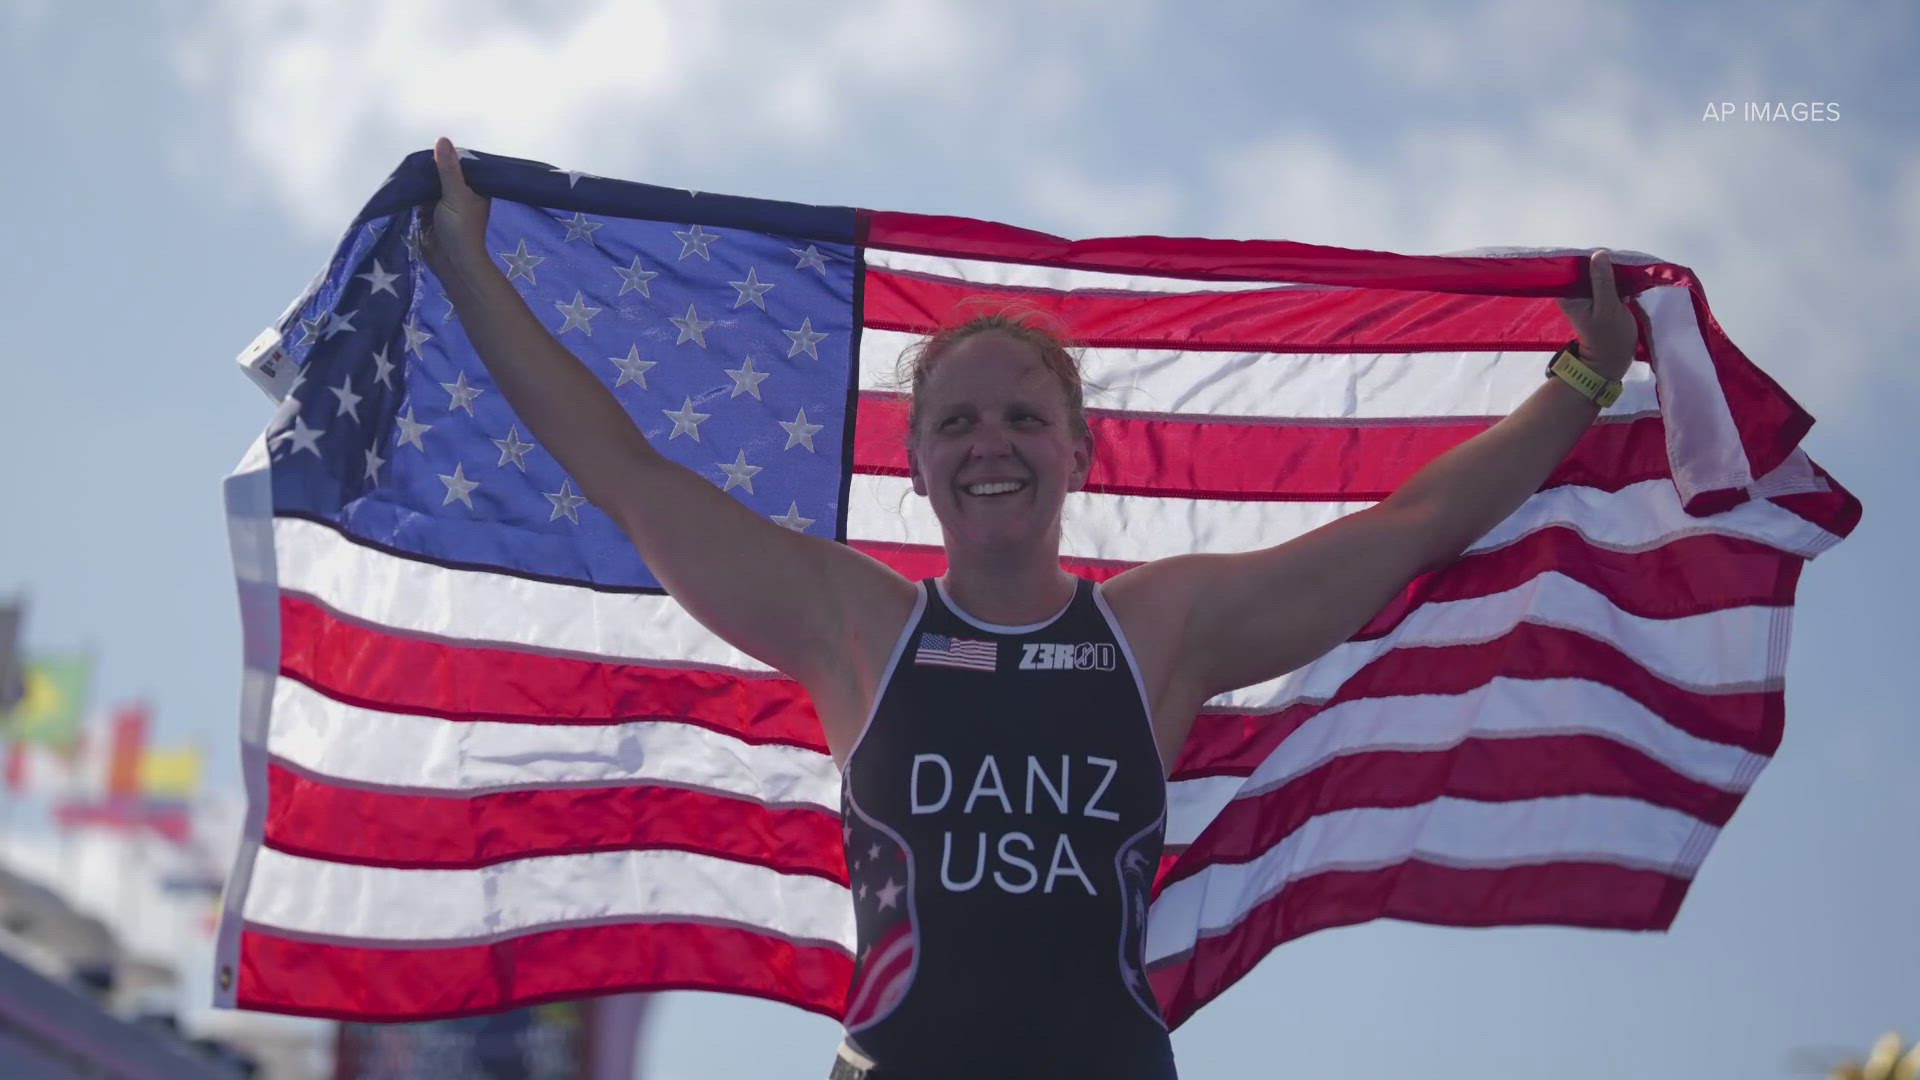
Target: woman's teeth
[(1000, 488)]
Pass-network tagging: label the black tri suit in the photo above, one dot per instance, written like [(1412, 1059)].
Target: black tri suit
[(1004, 812)]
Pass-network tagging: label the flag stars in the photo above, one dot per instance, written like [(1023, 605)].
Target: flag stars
[(810, 259), (458, 486), (565, 503), (382, 367), (792, 519), (310, 329), (578, 314), (573, 176), (417, 337), (694, 242), (874, 851), (349, 402), (374, 461), (686, 421), (338, 324), (512, 449), (460, 395), (889, 894), (746, 380), (632, 368), (739, 473), (411, 429), (804, 340), (378, 280), (799, 432), (303, 437), (579, 228), (634, 279), (751, 291), (520, 263), (692, 328)]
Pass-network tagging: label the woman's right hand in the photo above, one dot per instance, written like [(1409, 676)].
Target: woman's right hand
[(456, 232)]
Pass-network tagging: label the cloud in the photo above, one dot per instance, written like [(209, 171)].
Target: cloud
[(1499, 123), (1806, 248), (310, 102)]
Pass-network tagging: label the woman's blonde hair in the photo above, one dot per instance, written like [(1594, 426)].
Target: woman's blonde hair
[(985, 315)]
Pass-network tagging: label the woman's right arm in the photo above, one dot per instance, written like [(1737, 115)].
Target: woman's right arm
[(783, 597)]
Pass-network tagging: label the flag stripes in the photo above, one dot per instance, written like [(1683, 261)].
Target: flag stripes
[(476, 787)]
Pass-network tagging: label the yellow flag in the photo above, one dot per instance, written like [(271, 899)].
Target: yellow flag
[(170, 772)]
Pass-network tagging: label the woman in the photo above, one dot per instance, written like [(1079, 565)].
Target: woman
[(1004, 731)]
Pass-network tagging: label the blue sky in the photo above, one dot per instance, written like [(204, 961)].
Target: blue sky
[(178, 172)]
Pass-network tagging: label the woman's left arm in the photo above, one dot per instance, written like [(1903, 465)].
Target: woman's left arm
[(1250, 616), (1465, 492)]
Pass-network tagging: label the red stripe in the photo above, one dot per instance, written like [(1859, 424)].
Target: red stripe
[(344, 982), (1182, 457), (394, 673), (1594, 895), (1253, 260), (1482, 770), (1284, 320), (1234, 744), (1836, 511), (1691, 575), (310, 817)]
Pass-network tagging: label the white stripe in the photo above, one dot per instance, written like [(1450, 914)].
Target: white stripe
[(1703, 444), (1718, 651), (1705, 651), (363, 746), (250, 530), (1137, 528), (1063, 279), (1281, 386), (1056, 278), (1426, 723), (1454, 832), (360, 745), (475, 606), (381, 904)]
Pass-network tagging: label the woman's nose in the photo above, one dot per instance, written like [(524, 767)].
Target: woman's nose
[(990, 441)]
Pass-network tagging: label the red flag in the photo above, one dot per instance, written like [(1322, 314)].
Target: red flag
[(127, 746)]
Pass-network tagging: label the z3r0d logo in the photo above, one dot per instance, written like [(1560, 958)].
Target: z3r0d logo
[(1050, 656)]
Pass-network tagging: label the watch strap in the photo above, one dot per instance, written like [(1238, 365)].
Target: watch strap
[(1571, 369)]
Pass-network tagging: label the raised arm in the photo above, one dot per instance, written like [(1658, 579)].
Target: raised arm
[(1255, 615), (778, 595)]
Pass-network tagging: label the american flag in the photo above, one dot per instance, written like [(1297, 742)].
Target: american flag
[(940, 650), (490, 762)]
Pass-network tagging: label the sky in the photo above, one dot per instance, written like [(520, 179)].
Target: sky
[(177, 171)]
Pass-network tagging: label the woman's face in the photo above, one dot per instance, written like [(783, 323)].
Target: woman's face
[(996, 452)]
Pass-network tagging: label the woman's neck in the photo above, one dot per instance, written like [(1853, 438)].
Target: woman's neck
[(1009, 596)]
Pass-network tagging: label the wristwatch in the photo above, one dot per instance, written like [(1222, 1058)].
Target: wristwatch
[(1572, 370)]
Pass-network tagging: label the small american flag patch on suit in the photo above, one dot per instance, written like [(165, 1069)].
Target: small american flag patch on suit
[(939, 650)]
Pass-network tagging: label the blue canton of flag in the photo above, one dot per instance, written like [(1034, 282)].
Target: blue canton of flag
[(733, 349), (973, 654)]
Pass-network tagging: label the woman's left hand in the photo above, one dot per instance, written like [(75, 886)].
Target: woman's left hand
[(1607, 330)]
